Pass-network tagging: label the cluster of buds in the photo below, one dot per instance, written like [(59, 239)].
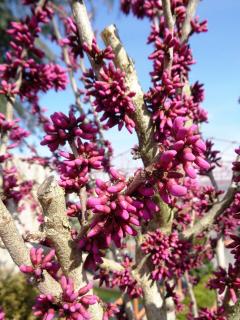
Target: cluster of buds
[(73, 304), (13, 188), (170, 255), (212, 157), (112, 96), (140, 8), (124, 280), (97, 54), (226, 279), (114, 213), (73, 209), (40, 262), (206, 314), (16, 134), (25, 57), (74, 171), (65, 128), (184, 154), (110, 310), (72, 41), (228, 222)]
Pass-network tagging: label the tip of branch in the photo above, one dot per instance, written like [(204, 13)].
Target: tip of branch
[(48, 186)]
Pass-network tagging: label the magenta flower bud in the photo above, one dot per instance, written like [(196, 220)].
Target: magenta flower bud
[(92, 202), (145, 214), (124, 204), (176, 190), (26, 269), (49, 256), (89, 299), (146, 191), (151, 205), (178, 145), (190, 170), (103, 208), (123, 214), (187, 155), (94, 231), (116, 188), (166, 158), (115, 174), (203, 164), (85, 289), (201, 145)]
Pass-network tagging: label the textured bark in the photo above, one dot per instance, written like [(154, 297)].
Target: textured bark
[(57, 229), (18, 251)]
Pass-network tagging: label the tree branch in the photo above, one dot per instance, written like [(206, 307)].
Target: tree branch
[(166, 4), (142, 118), (190, 13), (192, 295), (206, 221), (57, 229), (111, 265), (18, 251)]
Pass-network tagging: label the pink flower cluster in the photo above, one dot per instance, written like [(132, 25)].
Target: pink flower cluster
[(121, 279), (40, 262), (74, 171), (13, 188), (109, 311), (206, 314), (184, 154), (170, 256), (97, 54), (16, 134), (25, 58), (112, 97), (116, 214), (212, 157), (64, 129), (226, 279), (72, 306)]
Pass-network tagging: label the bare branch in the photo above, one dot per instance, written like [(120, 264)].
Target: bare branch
[(34, 237), (206, 221), (168, 14), (170, 25), (111, 265), (11, 238), (84, 27), (57, 229), (190, 13), (192, 295)]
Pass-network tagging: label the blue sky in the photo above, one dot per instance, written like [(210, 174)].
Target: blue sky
[(218, 66)]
